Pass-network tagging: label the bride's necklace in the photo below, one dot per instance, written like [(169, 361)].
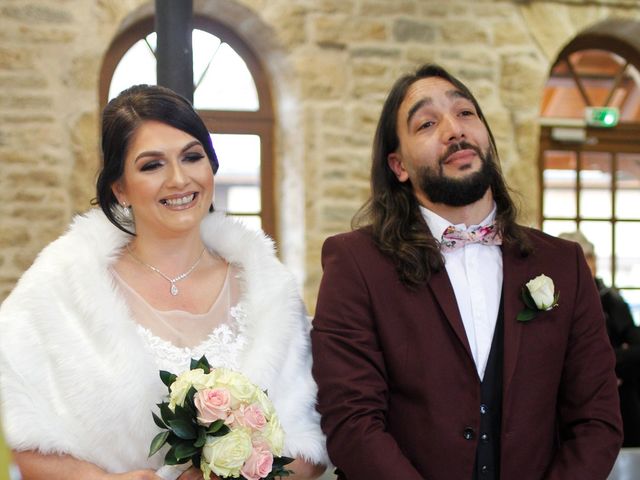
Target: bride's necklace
[(174, 289)]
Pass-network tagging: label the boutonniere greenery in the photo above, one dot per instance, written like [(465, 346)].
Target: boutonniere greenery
[(538, 295)]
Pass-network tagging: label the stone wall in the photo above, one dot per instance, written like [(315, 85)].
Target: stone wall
[(331, 63)]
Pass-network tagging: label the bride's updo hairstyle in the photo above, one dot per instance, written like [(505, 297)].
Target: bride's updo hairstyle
[(121, 118)]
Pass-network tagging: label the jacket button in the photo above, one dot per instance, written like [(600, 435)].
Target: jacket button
[(484, 438), (483, 409), (468, 433)]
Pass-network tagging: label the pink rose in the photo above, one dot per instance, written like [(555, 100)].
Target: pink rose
[(251, 417), (212, 404), (259, 463)]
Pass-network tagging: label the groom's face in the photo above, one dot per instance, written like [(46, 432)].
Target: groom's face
[(444, 148)]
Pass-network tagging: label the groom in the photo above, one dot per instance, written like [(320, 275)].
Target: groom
[(425, 364)]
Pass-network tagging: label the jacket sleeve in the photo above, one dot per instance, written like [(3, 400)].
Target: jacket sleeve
[(589, 422), (349, 368)]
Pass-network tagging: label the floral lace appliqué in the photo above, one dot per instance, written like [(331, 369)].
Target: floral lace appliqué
[(222, 347)]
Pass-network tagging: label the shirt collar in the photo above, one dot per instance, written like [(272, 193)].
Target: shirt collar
[(437, 225)]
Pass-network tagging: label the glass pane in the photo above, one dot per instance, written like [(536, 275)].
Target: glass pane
[(243, 199), (628, 186), (222, 79), (556, 227), (627, 255), (138, 65), (239, 157), (595, 185), (559, 177), (632, 297), (599, 71), (205, 46), (254, 222), (599, 233), (227, 84)]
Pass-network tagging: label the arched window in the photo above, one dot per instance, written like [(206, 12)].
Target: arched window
[(231, 94), (589, 165)]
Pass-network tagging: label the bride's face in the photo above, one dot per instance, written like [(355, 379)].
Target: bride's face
[(167, 180)]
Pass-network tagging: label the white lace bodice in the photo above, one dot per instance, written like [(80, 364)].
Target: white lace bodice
[(222, 347)]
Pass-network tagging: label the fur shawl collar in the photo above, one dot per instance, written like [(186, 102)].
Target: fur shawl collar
[(75, 376)]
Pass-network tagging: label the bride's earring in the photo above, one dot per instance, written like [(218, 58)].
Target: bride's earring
[(125, 211)]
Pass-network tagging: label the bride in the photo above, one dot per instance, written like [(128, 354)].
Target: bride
[(148, 281)]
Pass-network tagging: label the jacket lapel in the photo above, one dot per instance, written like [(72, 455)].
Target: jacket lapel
[(516, 274), (443, 292)]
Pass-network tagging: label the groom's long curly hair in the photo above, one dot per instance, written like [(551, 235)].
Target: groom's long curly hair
[(392, 212)]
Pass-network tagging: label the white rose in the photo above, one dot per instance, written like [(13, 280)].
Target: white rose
[(274, 435), (180, 387), (542, 292), (226, 455), (265, 403), (240, 387)]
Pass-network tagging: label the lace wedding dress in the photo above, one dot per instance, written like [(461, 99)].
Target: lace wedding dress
[(175, 337)]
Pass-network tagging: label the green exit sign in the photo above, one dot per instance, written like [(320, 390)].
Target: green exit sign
[(606, 117)]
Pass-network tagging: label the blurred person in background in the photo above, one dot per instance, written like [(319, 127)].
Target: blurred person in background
[(625, 339)]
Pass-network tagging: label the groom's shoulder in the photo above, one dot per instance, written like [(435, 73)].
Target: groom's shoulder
[(542, 242)]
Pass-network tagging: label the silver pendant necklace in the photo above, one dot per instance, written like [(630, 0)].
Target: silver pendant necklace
[(174, 289)]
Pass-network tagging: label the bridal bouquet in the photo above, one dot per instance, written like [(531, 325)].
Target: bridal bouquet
[(220, 422)]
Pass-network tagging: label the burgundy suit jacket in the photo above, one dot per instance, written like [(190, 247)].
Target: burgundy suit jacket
[(398, 386)]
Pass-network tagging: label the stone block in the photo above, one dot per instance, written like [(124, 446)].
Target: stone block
[(322, 74), (32, 13), (45, 35), (522, 79), (380, 8), (13, 235), (434, 9), (25, 101), (507, 33), (289, 22), (366, 68), (550, 25), (84, 72), (465, 32), (22, 81), (347, 29), (383, 53), (406, 30), (16, 58), (35, 178)]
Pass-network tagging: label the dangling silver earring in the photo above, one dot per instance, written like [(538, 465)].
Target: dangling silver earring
[(125, 211)]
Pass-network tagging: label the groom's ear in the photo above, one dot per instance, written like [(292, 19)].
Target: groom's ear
[(394, 160)]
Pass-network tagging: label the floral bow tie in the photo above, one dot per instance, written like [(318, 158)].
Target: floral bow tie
[(454, 238)]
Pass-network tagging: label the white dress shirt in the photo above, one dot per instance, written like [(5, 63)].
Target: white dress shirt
[(475, 272)]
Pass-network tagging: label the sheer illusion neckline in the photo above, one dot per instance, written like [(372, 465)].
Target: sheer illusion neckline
[(183, 329), (140, 298)]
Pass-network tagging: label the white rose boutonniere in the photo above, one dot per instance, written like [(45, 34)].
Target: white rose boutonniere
[(538, 295)]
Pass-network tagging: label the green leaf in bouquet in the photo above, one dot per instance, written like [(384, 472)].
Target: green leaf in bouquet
[(528, 299), (282, 461), (158, 441), (278, 469), (183, 429), (165, 412), (182, 413), (189, 405), (171, 459), (202, 363), (157, 421), (202, 438), (218, 428), (185, 450), (167, 378)]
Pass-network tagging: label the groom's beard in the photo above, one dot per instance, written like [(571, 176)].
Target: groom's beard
[(457, 192)]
